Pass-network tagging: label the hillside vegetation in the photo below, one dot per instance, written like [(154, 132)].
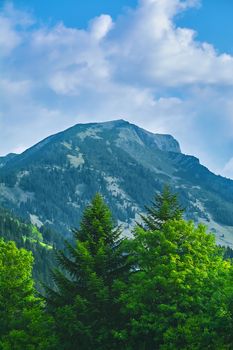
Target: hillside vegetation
[(41, 242), (51, 183), (167, 287)]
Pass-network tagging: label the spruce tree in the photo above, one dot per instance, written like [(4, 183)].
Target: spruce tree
[(85, 301), (165, 206)]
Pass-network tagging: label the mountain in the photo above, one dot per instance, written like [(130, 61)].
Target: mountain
[(51, 183), (4, 160), (39, 241)]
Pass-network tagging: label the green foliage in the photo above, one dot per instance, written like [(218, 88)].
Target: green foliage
[(169, 287), (164, 207), (23, 323), (28, 236), (85, 303), (177, 298)]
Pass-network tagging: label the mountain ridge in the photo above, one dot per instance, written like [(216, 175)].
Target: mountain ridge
[(108, 124), (52, 181)]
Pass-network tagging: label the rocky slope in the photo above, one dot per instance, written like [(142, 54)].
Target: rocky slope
[(51, 182)]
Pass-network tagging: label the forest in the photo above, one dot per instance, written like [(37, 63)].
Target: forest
[(168, 286)]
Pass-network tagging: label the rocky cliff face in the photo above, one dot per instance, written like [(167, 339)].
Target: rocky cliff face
[(52, 182)]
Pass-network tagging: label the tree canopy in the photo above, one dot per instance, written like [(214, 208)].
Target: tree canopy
[(177, 298), (23, 323), (85, 301), (164, 207), (168, 287)]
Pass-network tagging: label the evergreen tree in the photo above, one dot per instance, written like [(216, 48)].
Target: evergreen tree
[(164, 207), (85, 302)]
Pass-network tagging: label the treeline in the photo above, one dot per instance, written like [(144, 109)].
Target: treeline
[(167, 287)]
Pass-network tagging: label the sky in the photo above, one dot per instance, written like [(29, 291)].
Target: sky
[(165, 65)]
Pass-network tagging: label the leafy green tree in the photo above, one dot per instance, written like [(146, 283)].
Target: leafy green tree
[(38, 241), (23, 323), (164, 207), (85, 302), (177, 298)]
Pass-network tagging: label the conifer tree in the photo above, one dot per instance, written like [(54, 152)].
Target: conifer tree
[(164, 207), (84, 303)]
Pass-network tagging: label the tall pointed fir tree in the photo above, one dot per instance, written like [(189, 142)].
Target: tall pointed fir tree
[(165, 207), (85, 302)]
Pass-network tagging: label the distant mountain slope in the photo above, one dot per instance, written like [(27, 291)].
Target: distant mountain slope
[(51, 182), (28, 236), (4, 160)]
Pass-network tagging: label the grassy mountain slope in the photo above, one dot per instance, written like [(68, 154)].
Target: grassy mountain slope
[(38, 241)]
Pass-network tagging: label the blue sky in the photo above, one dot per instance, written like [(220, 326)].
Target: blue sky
[(74, 13), (166, 65), (212, 19), (213, 23)]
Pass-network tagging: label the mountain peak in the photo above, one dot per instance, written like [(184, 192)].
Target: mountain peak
[(51, 182), (123, 129)]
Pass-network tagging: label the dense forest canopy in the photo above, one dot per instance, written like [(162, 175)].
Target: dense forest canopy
[(169, 286)]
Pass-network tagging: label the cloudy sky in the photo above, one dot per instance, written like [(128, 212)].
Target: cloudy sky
[(166, 65)]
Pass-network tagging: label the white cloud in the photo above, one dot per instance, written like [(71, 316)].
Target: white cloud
[(10, 88), (11, 24), (142, 67), (100, 26), (160, 53), (9, 39)]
